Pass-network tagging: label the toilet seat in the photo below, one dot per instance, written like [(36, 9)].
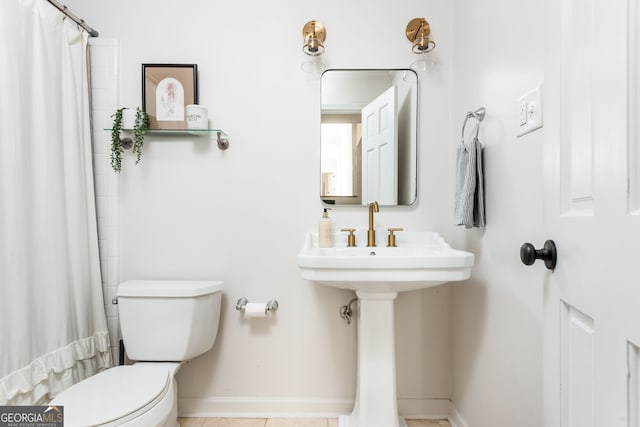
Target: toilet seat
[(117, 395)]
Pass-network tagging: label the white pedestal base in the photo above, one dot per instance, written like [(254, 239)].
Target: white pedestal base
[(376, 401)]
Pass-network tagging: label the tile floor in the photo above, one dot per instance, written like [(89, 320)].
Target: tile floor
[(287, 422)]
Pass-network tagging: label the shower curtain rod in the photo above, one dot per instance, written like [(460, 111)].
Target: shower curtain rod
[(64, 9)]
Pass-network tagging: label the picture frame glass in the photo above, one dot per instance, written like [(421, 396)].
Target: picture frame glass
[(167, 89)]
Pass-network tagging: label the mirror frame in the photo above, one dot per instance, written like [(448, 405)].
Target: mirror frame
[(410, 171)]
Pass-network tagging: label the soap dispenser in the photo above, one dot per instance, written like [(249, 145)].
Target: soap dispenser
[(325, 231)]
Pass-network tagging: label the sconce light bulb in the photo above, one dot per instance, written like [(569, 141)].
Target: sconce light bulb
[(313, 47), (423, 45)]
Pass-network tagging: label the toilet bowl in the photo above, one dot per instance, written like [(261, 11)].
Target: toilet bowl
[(163, 325)]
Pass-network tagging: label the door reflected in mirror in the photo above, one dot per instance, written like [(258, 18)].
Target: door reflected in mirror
[(368, 137)]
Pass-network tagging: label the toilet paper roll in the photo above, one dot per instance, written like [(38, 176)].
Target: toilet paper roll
[(255, 309)]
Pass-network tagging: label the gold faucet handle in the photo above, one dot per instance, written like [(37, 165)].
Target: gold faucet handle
[(351, 238), (391, 241)]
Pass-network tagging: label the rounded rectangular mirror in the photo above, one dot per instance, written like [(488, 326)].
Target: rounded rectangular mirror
[(368, 136)]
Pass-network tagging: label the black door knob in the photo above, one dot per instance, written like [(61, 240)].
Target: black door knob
[(529, 254)]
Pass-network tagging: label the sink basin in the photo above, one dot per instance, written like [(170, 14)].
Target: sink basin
[(377, 274), (420, 260)]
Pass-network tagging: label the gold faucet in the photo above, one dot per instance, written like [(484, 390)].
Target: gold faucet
[(371, 234)]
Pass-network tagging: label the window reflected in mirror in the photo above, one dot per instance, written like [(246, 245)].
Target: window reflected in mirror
[(341, 137)]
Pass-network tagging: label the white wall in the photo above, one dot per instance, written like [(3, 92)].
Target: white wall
[(191, 211), (497, 344)]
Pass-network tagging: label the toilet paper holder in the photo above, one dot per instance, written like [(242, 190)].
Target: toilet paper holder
[(272, 304)]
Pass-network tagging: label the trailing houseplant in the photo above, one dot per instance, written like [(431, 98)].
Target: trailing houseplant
[(118, 144), (141, 125)]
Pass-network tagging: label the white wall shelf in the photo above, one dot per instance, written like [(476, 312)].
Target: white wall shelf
[(221, 137)]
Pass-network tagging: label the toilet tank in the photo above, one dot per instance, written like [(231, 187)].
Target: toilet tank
[(168, 320)]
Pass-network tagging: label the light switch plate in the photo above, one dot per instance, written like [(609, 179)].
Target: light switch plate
[(530, 111)]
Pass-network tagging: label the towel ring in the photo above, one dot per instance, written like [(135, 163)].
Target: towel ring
[(479, 116)]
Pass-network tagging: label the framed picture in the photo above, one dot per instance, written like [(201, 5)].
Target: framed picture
[(166, 91)]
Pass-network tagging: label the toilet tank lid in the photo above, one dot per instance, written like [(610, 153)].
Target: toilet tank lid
[(168, 288)]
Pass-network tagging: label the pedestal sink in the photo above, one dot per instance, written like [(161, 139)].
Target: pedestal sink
[(377, 274)]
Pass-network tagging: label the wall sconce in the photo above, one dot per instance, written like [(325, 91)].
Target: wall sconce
[(418, 32), (314, 34)]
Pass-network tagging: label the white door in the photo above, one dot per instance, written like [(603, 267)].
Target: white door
[(380, 150), (592, 188)]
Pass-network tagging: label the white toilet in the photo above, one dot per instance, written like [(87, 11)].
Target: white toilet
[(163, 324)]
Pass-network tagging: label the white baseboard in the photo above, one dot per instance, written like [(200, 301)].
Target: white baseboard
[(426, 409), (261, 407), (455, 417)]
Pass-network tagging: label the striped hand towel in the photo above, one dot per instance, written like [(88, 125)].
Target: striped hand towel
[(469, 203)]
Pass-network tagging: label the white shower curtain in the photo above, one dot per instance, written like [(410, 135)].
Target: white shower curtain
[(53, 329)]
